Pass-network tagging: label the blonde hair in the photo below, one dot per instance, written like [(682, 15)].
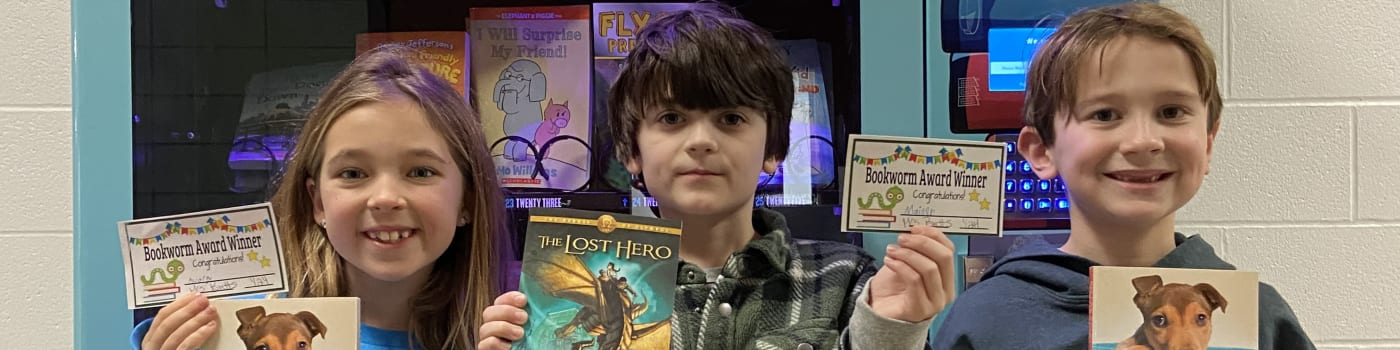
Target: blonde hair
[(1052, 81), (465, 279)]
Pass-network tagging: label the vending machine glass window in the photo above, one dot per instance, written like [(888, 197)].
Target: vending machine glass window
[(221, 89)]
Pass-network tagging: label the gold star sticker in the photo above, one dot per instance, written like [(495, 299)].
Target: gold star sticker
[(985, 204), (974, 196), (265, 262), (252, 256)]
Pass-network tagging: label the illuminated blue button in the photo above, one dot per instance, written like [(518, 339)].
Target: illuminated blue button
[(1062, 204), (1042, 204), (1043, 185), (1026, 167), (1010, 205), (1010, 148), (1011, 186), (1011, 167), (1059, 185), (1027, 205), (1027, 186)]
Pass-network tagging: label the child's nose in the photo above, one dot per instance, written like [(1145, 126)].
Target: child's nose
[(700, 139), (386, 197), (1144, 138)]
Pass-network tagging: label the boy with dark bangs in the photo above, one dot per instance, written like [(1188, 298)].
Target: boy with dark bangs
[(702, 105)]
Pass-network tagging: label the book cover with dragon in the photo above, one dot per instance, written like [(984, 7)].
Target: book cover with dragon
[(443, 53), (531, 76), (598, 280)]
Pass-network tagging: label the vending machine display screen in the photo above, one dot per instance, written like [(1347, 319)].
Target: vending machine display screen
[(1009, 54), (966, 24)]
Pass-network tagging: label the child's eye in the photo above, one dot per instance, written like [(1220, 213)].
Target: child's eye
[(669, 118), (733, 119), (1172, 112), (350, 174), (422, 172), (1104, 115)]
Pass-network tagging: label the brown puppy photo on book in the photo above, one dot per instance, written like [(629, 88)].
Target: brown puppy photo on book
[(1135, 308), (1175, 316), (263, 323), (261, 331)]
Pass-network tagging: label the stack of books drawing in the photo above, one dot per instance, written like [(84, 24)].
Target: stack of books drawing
[(875, 218), (162, 291)]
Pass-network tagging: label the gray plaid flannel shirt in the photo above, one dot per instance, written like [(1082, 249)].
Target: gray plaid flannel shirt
[(775, 293)]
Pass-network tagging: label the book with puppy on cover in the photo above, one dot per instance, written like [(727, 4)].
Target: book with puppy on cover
[(1148, 308), (286, 323), (598, 280)]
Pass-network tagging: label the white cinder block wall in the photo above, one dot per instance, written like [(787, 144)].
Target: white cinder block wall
[(36, 175), (1305, 186), (1305, 181)]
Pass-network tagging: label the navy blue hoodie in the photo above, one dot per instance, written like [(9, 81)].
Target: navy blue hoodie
[(1037, 297)]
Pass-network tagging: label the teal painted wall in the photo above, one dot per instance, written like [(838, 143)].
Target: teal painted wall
[(102, 193)]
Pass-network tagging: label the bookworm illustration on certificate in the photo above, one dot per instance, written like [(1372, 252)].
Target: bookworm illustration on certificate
[(221, 253), (895, 183)]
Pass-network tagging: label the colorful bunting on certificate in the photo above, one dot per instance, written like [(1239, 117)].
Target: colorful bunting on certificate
[(211, 225), (944, 156)]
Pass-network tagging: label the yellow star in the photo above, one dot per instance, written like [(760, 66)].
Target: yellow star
[(265, 262), (985, 204), (974, 196), (252, 256)]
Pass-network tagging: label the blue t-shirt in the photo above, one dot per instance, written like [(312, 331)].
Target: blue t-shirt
[(382, 339)]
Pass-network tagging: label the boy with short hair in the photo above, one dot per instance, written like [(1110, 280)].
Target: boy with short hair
[(1122, 104), (702, 105)]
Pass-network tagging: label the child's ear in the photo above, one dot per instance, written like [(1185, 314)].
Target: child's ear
[(1210, 144), (633, 165), (1034, 150), (318, 210), (464, 216), (770, 165)]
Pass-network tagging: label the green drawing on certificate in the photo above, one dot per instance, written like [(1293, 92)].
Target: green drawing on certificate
[(174, 267), (894, 195)]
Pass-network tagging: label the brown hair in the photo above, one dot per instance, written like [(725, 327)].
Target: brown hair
[(1052, 81), (702, 58), (465, 279)]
